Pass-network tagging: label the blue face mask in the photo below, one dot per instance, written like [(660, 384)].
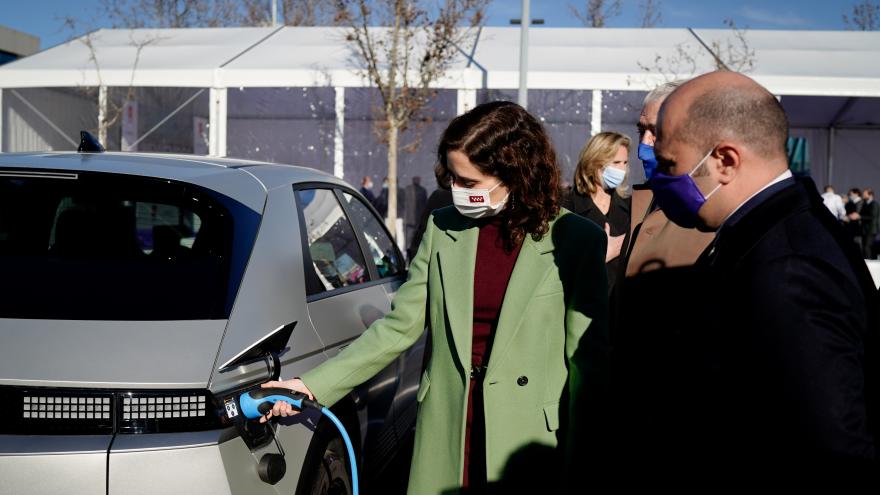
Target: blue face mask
[(679, 197), (613, 177), (649, 161)]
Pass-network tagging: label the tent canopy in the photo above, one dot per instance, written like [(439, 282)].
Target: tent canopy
[(819, 63), (581, 81)]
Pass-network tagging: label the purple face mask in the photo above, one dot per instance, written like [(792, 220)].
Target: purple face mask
[(679, 197)]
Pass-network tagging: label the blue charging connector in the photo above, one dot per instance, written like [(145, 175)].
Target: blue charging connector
[(257, 403)]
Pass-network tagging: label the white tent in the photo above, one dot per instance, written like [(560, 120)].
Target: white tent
[(295, 94)]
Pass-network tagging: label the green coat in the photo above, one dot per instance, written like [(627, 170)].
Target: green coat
[(556, 291)]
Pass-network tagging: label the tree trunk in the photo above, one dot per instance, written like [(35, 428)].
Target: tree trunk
[(392, 176), (102, 115)]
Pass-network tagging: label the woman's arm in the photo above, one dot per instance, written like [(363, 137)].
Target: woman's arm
[(382, 342)]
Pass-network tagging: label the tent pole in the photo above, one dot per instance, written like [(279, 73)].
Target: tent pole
[(525, 20), (830, 155), (217, 123), (596, 117), (466, 99)]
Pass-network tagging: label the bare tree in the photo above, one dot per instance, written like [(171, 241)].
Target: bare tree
[(110, 111), (215, 13), (172, 13), (732, 53), (650, 11), (136, 14), (596, 12), (404, 59), (865, 16), (294, 12)]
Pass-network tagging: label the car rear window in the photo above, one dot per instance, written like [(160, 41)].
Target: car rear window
[(115, 247), (336, 257)]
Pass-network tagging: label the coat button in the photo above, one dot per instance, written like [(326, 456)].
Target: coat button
[(522, 381)]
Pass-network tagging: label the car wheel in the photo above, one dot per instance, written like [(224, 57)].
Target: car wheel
[(326, 471)]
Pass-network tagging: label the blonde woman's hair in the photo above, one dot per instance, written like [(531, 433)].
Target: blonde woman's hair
[(598, 152)]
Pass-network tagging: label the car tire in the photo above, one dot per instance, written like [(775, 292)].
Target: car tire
[(326, 470)]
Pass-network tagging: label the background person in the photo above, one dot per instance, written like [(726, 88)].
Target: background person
[(438, 199), (870, 222), (415, 198), (768, 377), (367, 189), (600, 193), (655, 242), (833, 202), (853, 219)]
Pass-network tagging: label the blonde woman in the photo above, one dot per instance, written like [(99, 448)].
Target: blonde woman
[(600, 192)]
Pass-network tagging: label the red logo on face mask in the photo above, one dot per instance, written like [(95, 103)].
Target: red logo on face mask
[(476, 199)]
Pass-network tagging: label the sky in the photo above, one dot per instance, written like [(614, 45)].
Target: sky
[(43, 18)]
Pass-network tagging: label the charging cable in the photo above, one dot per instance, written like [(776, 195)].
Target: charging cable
[(257, 403)]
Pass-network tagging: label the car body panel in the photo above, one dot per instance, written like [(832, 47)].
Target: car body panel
[(183, 471), (82, 353), (53, 464), (273, 176), (214, 175), (272, 293)]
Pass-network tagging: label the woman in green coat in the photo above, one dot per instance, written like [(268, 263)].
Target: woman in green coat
[(513, 290)]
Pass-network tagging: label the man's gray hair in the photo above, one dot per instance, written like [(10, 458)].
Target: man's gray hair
[(663, 90)]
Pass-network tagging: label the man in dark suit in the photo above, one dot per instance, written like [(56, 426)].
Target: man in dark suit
[(853, 220), (870, 223), (367, 189), (438, 199), (764, 363), (414, 199)]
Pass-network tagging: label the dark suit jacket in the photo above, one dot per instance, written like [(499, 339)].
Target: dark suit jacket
[(438, 199), (870, 214), (764, 357)]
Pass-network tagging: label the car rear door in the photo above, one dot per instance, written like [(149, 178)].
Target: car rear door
[(383, 254)]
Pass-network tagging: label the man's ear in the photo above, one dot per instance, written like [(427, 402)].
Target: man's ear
[(728, 160)]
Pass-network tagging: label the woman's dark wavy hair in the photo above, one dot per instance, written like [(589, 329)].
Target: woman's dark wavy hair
[(503, 140)]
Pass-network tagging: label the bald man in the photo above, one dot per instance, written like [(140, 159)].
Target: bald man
[(765, 360)]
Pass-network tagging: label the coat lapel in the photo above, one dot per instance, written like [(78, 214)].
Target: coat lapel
[(457, 260), (534, 261)]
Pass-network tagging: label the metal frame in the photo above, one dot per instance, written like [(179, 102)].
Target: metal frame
[(217, 123)]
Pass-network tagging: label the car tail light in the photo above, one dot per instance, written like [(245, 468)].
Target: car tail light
[(159, 411), (65, 407), (56, 411), (36, 411)]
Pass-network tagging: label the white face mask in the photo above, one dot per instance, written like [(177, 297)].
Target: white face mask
[(475, 203)]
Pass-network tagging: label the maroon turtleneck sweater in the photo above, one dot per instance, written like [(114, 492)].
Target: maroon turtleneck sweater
[(491, 275)]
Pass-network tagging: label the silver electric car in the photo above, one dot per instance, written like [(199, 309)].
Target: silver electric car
[(140, 293)]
